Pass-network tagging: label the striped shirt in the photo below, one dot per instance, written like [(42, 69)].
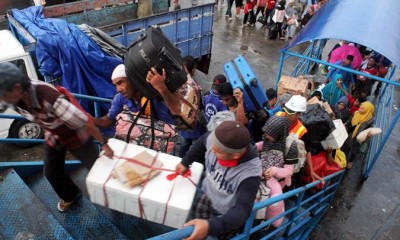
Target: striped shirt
[(62, 121)]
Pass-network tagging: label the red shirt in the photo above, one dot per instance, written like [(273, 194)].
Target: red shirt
[(270, 4)]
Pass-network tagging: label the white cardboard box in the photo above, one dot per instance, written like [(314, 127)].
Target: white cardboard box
[(156, 192), (336, 139)]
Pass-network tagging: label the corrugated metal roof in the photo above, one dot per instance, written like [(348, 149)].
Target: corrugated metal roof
[(372, 23)]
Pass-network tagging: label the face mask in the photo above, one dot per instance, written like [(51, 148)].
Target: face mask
[(228, 163), (231, 162)]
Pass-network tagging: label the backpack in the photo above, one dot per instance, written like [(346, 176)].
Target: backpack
[(301, 151)]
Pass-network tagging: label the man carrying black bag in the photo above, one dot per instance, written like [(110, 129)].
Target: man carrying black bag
[(129, 98)]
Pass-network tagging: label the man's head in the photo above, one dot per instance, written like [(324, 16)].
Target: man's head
[(348, 60), (218, 80), (371, 62), (284, 99), (225, 92), (122, 83), (229, 141), (13, 83), (296, 105), (359, 100), (272, 96)]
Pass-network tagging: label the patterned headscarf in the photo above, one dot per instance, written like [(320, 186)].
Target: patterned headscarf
[(278, 129)]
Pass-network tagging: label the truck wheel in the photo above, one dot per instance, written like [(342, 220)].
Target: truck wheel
[(25, 129)]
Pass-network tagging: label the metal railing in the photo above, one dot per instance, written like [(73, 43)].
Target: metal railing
[(96, 101), (303, 212)]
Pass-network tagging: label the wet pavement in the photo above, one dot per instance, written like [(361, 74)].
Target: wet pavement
[(363, 212), (370, 211)]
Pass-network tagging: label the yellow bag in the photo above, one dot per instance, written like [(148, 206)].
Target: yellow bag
[(340, 158)]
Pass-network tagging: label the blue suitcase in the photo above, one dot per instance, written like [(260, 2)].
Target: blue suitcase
[(240, 75)]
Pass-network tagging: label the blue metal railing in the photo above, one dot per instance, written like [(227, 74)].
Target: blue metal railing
[(305, 212), (96, 105), (295, 224)]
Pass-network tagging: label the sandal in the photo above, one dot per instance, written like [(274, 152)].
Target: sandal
[(63, 205)]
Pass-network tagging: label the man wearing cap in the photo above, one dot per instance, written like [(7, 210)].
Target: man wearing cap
[(128, 98), (233, 176), (292, 109), (67, 127)]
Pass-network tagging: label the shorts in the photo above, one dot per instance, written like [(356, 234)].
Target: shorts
[(239, 3)]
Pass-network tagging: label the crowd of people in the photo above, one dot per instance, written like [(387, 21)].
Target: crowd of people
[(281, 17), (240, 152)]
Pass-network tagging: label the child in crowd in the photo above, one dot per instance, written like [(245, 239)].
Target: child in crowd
[(249, 11), (233, 100), (211, 101)]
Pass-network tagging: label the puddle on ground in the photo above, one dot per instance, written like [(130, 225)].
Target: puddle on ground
[(250, 49)]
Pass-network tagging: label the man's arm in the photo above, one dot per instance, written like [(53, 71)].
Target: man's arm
[(103, 122), (196, 153), (238, 214), (75, 118), (240, 112), (108, 120), (95, 133), (158, 82)]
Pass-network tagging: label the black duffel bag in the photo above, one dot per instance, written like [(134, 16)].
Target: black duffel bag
[(263, 19), (317, 122), (153, 49)]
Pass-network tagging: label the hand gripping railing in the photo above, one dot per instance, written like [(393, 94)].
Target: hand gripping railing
[(300, 217)]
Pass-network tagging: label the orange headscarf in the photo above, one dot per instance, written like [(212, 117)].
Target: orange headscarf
[(359, 118)]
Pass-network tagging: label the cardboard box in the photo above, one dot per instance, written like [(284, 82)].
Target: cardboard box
[(336, 139), (294, 86), (159, 197)]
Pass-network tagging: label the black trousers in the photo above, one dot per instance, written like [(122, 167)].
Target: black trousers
[(54, 168)]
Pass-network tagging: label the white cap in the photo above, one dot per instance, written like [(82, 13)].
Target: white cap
[(297, 103), (118, 72)]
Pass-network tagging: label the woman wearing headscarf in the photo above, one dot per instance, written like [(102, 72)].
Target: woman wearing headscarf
[(331, 92), (277, 161), (361, 120), (341, 109)]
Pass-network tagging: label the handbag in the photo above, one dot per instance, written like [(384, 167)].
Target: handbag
[(189, 95), (263, 19), (146, 131), (291, 21)]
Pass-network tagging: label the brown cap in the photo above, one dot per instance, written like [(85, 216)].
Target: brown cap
[(231, 137)]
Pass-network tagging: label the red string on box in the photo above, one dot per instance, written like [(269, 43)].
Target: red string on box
[(187, 174), (108, 179)]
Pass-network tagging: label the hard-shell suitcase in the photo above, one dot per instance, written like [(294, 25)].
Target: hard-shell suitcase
[(240, 75), (153, 49)]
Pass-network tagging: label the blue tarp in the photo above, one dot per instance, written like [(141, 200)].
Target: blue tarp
[(372, 23), (63, 50)]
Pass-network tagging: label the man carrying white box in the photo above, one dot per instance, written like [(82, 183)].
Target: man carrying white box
[(233, 176)]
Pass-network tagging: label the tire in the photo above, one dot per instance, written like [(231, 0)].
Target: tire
[(25, 129)]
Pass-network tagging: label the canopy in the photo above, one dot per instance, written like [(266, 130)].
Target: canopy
[(372, 23)]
